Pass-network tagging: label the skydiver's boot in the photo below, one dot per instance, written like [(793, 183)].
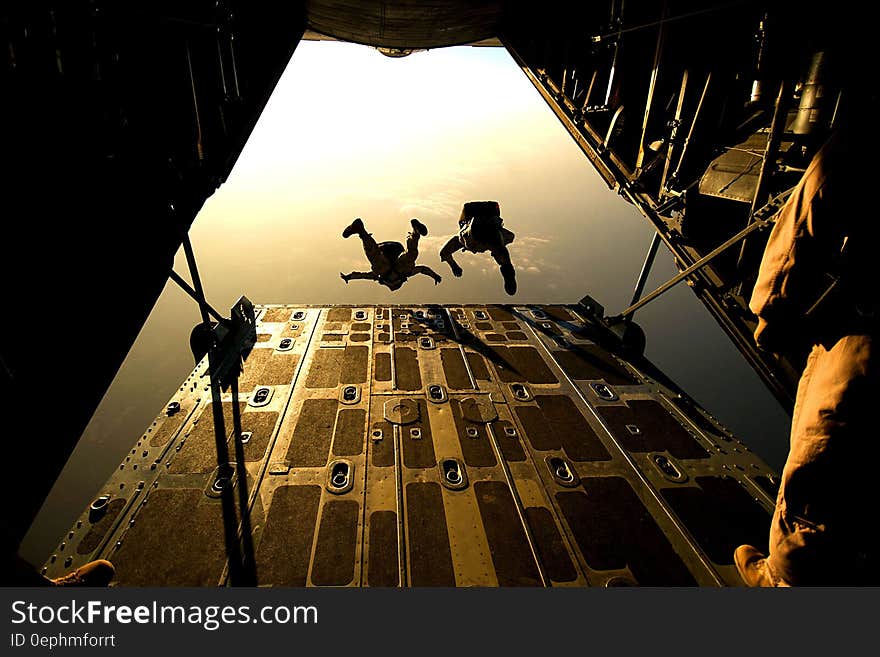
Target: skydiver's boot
[(419, 227), (94, 573), (356, 226), (509, 278), (754, 568)]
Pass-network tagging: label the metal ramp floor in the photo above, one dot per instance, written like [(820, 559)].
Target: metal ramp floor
[(432, 446)]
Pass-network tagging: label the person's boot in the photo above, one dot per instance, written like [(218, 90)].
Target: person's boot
[(94, 573), (753, 567), (356, 226), (509, 279), (419, 227)]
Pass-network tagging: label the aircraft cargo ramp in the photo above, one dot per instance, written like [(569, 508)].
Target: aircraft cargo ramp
[(429, 446)]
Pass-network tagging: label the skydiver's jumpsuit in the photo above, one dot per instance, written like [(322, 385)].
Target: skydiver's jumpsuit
[(480, 229), (391, 264), (824, 522)]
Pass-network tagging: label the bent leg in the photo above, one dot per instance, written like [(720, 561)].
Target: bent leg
[(502, 257), (821, 523), (407, 260), (378, 261), (453, 245)]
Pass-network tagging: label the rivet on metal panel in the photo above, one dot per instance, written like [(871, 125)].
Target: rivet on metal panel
[(510, 431), (340, 476), (415, 433), (562, 471), (604, 391), (360, 314), (479, 314), (261, 396), (172, 408), (98, 507), (539, 314), (436, 393), (521, 392), (633, 429), (299, 315), (246, 437), (453, 474), (668, 468), (68, 561), (472, 432)]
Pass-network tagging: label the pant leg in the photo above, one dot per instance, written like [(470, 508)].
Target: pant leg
[(821, 528), (407, 260), (379, 263), (501, 256)]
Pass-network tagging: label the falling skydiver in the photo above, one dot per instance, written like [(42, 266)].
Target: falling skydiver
[(391, 263), (481, 229)]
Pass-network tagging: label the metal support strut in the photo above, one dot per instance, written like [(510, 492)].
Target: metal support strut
[(762, 218), (646, 270), (237, 537)]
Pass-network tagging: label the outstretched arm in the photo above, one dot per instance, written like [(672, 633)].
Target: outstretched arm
[(359, 276), (453, 245), (427, 271)]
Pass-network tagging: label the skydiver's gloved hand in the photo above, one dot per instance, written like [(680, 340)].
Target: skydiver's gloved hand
[(437, 279), (344, 277), (456, 270)]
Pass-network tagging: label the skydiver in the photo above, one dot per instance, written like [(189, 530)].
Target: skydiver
[(391, 263), (481, 229)]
